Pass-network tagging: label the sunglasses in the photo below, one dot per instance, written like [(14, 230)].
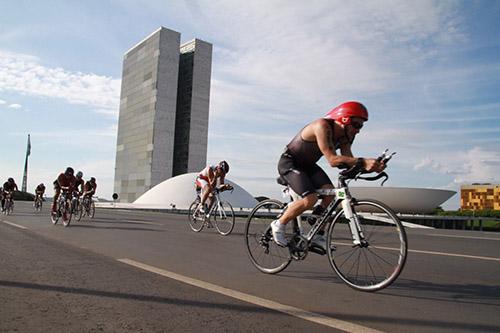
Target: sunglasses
[(357, 125)]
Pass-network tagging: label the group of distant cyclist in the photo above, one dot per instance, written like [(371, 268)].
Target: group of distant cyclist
[(66, 181)]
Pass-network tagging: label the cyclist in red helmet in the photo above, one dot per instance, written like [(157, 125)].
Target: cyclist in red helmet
[(297, 165)]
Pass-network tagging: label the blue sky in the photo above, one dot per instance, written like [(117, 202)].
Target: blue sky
[(428, 71)]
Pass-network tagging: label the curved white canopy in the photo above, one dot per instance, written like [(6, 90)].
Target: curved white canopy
[(405, 200), (179, 191)]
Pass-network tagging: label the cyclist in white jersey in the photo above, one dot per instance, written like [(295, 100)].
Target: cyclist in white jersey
[(210, 177)]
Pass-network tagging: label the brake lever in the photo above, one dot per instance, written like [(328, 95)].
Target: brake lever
[(388, 158), (383, 156)]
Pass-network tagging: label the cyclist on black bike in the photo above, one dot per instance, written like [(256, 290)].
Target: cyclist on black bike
[(89, 188), (297, 165), (65, 179), (208, 179), (39, 191), (8, 187)]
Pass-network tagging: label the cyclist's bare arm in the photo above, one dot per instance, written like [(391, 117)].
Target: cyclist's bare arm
[(324, 137), (212, 180)]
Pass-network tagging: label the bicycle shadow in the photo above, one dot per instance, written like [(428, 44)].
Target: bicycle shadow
[(467, 293)]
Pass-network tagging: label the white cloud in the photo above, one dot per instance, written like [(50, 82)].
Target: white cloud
[(326, 51), (15, 106), (2, 102), (24, 74), (474, 165)]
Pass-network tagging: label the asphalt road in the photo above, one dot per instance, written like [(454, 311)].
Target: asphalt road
[(143, 271)]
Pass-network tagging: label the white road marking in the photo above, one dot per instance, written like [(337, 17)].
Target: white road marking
[(140, 222), (289, 310), (430, 252), (14, 225), (455, 255), (470, 237)]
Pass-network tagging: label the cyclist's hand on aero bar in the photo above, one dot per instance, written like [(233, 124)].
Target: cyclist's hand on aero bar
[(373, 165)]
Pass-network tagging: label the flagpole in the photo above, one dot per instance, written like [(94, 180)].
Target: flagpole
[(25, 176)]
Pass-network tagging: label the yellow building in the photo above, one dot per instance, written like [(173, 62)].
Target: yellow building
[(480, 196)]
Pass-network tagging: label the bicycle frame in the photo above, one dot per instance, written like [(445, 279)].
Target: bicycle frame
[(342, 197), (215, 204)]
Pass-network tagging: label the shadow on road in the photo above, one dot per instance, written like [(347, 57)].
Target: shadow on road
[(431, 324)]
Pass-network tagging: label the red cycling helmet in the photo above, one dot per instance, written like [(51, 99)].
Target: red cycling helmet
[(345, 111)]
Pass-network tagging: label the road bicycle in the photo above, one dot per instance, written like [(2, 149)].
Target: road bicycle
[(220, 212), (9, 203), (63, 208), (38, 203), (76, 205), (87, 207), (366, 241)]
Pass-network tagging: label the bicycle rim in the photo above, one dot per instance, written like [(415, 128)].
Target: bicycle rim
[(223, 217), (92, 210), (377, 265), (54, 216), (196, 221), (66, 215), (79, 212), (264, 253), (9, 208)]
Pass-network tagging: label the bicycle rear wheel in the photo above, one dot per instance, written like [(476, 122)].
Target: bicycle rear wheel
[(264, 253), (79, 211), (376, 263), (223, 216), (196, 218)]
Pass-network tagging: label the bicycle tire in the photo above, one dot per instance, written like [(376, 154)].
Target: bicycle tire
[(195, 221), (224, 219), (267, 256), (377, 264), (9, 207), (66, 212), (54, 216), (79, 211), (92, 209)]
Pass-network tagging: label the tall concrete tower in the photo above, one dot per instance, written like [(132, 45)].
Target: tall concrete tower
[(163, 121), (193, 97)]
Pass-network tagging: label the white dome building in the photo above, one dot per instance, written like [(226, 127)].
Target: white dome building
[(404, 200), (179, 192)]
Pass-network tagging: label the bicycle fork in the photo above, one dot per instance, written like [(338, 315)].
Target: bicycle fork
[(358, 237)]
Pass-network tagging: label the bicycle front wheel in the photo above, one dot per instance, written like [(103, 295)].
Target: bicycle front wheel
[(91, 213), (79, 211), (66, 213), (9, 207), (223, 216), (379, 259), (264, 253), (196, 218)]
